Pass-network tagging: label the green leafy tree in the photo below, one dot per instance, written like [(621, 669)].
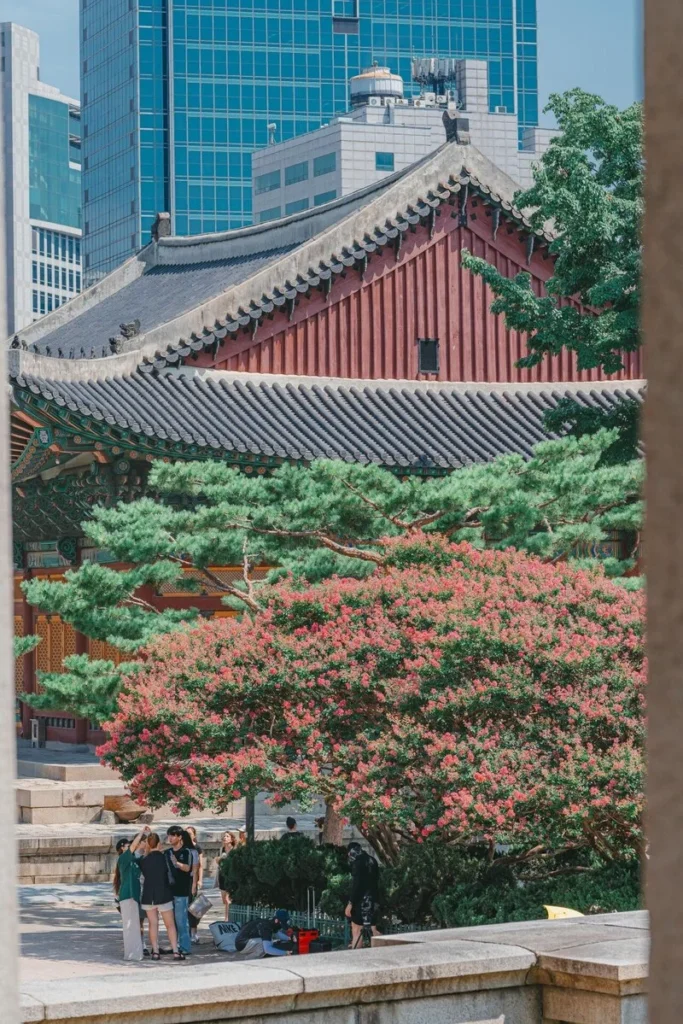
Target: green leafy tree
[(314, 523), (588, 191)]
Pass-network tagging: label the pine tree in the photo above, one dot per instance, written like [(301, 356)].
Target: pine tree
[(328, 519)]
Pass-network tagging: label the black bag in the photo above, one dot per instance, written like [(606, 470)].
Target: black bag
[(321, 945)]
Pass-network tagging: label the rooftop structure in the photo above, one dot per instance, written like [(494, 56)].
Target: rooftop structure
[(176, 95), (384, 132), (40, 186)]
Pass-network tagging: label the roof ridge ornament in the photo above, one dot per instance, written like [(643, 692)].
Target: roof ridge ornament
[(457, 127), (161, 228)]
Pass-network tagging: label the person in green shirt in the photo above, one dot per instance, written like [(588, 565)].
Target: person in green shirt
[(127, 891)]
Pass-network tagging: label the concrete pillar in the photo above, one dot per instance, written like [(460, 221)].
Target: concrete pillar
[(663, 323), (9, 931)]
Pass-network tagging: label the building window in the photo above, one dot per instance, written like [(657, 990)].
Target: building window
[(34, 272), (49, 276), (49, 303), (42, 242), (384, 161), (34, 241), (71, 250), (296, 206), (35, 302), (324, 197), (428, 355), (42, 302), (272, 214), (78, 282), (324, 164), (296, 172), (267, 182), (42, 273), (71, 280)]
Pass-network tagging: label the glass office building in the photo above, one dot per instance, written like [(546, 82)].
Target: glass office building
[(177, 94), (40, 157)]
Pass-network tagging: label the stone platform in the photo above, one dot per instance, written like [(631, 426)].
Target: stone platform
[(50, 802), (74, 853), (584, 971), (60, 765)]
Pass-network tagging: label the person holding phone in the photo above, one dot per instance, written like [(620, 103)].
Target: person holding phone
[(157, 895), (127, 892)]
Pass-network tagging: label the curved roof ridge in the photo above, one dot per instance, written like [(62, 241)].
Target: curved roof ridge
[(295, 262)]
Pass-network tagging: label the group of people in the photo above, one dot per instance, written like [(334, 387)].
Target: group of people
[(150, 883)]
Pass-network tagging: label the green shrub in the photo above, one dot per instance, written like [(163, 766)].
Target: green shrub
[(431, 885), (279, 873), (491, 899)]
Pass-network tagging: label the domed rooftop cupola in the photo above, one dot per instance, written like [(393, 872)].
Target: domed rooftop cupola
[(378, 83)]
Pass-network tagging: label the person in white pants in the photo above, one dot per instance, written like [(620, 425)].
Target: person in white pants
[(127, 890)]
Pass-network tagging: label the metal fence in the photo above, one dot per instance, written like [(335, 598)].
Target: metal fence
[(336, 928)]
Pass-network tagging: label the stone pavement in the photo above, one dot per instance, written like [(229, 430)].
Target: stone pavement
[(73, 931)]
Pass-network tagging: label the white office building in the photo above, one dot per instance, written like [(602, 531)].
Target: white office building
[(40, 186), (383, 132)]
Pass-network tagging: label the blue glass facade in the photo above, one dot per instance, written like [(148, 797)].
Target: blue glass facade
[(54, 162), (178, 93)]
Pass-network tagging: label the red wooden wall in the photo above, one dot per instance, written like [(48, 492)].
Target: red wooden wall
[(369, 328)]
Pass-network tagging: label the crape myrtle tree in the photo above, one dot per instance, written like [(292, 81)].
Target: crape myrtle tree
[(588, 190), (330, 518), (461, 695)]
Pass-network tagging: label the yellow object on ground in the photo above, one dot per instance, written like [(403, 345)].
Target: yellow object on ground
[(557, 913)]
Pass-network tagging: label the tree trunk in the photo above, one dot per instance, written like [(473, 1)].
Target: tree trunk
[(384, 843), (250, 818), (333, 829)]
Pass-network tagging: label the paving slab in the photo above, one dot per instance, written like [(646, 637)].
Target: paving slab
[(622, 960), (537, 936), (166, 988), (392, 965)]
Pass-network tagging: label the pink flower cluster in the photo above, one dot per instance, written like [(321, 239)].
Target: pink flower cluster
[(458, 693)]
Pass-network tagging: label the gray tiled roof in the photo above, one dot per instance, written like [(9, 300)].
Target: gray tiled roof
[(392, 423), (158, 296), (189, 294)]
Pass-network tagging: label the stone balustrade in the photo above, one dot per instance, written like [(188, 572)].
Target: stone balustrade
[(579, 971)]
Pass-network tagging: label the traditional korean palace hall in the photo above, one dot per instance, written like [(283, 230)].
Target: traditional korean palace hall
[(348, 331)]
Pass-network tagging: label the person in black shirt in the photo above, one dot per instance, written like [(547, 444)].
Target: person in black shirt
[(197, 875), (180, 861), (292, 830), (363, 905), (157, 896)]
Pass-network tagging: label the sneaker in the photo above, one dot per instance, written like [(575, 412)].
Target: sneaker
[(195, 940), (146, 952)]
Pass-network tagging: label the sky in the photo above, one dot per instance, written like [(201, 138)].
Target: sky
[(595, 44)]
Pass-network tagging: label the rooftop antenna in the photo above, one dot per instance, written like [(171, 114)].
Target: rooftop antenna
[(272, 128)]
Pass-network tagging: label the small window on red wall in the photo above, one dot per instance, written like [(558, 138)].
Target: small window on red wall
[(428, 355)]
